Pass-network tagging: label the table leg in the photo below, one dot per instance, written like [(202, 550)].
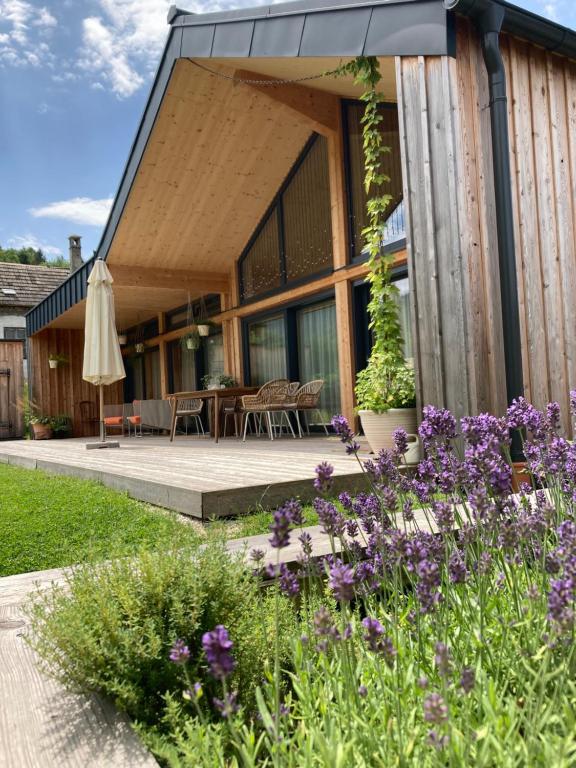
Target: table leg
[(216, 417), (173, 418)]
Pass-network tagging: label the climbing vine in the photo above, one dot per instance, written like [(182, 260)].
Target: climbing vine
[(387, 364)]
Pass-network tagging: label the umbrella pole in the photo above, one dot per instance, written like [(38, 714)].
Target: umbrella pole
[(102, 430)]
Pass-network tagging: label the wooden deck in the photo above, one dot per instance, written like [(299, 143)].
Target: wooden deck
[(193, 475)]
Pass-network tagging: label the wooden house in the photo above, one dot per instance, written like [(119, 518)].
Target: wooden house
[(242, 200)]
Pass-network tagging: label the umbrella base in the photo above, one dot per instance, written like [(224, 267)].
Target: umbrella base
[(106, 444)]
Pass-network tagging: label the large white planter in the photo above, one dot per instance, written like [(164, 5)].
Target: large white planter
[(379, 430)]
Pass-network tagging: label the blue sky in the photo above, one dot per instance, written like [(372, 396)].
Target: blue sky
[(74, 77)]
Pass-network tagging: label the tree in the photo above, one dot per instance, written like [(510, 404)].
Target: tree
[(32, 256)]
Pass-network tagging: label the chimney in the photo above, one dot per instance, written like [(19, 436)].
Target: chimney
[(75, 250)]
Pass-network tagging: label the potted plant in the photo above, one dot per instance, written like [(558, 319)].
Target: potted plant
[(54, 360), (386, 398), (41, 427), (227, 381), (139, 347), (61, 426), (122, 338), (191, 340), (204, 327)]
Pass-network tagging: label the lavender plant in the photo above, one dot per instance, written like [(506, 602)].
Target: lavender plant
[(441, 628)]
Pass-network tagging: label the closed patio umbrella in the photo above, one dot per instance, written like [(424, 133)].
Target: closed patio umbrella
[(103, 364)]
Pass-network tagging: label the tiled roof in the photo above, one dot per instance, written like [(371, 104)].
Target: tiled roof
[(23, 285)]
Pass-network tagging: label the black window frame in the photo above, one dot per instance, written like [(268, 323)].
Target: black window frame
[(275, 208)]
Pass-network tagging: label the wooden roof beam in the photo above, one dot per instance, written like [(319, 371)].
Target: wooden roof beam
[(171, 279), (318, 108)]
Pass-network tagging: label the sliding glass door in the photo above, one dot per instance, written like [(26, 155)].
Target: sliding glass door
[(299, 344), (267, 349), (318, 354)]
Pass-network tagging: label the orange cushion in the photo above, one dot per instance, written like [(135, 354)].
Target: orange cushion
[(135, 419), (113, 421)]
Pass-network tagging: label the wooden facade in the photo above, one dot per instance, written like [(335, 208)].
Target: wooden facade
[(59, 391)]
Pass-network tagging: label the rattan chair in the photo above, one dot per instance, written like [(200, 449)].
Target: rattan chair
[(271, 397), (229, 406), (190, 409), (307, 401)]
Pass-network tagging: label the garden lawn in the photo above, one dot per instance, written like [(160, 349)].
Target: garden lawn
[(49, 521)]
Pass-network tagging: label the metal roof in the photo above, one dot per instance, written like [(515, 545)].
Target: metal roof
[(322, 28)]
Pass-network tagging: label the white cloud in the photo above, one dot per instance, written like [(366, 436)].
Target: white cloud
[(80, 210), (122, 44), (31, 241), (22, 24)]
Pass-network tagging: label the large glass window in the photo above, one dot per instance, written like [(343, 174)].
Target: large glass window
[(294, 240), (394, 228), (214, 355), (267, 350), (318, 354), (307, 218), (405, 316), (183, 366)]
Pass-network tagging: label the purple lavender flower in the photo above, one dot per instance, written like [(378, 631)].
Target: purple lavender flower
[(553, 416), (342, 428), (442, 659), (293, 510), (280, 528), (257, 555), (376, 640), (443, 514), (435, 709), (400, 440), (437, 423), (179, 653), (324, 628), (323, 481), (288, 581), (194, 693), (436, 740), (362, 691), (217, 646), (330, 518), (345, 499), (342, 582), (467, 679), (457, 569), (306, 543), (561, 603), (408, 511), (422, 682), (573, 403), (227, 706)]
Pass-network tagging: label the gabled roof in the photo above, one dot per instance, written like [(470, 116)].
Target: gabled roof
[(24, 285)]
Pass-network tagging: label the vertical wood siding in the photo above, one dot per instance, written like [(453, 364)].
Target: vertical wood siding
[(448, 178), (60, 391), (11, 389), (451, 236)]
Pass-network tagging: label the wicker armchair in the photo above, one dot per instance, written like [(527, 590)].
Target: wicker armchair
[(307, 401), (190, 409), (271, 397)]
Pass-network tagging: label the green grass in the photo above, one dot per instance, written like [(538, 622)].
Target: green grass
[(50, 521), (255, 523)]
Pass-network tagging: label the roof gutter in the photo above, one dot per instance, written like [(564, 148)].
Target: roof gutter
[(488, 18)]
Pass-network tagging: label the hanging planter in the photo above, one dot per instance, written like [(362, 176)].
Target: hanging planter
[(122, 339), (55, 360), (139, 347), (191, 341), (204, 329)]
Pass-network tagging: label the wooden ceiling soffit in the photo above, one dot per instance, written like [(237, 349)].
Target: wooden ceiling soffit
[(171, 279), (318, 108)]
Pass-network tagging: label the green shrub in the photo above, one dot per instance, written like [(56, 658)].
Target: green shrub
[(110, 629)]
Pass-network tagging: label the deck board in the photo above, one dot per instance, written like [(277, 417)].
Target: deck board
[(194, 475)]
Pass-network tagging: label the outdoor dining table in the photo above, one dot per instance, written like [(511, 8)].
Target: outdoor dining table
[(207, 394)]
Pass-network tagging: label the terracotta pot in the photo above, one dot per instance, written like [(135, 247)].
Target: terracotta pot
[(41, 431), (379, 430)]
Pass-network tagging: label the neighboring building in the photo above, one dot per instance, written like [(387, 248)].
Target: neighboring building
[(243, 193), (22, 286)]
